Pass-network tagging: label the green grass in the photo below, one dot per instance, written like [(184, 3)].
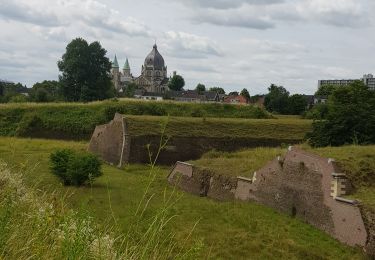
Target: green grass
[(280, 129), (244, 162), (229, 230), (78, 120)]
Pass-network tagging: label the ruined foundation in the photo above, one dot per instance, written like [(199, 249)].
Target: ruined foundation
[(301, 184)]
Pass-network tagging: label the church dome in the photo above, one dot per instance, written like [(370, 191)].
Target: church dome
[(154, 59)]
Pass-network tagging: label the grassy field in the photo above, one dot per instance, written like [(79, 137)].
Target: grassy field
[(219, 128), (78, 120), (245, 162), (230, 230)]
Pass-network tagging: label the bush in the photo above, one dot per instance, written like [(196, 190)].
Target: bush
[(75, 168)]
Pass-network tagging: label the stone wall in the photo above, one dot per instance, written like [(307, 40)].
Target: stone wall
[(113, 143), (298, 184)]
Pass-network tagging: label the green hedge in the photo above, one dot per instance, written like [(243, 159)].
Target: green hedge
[(77, 121)]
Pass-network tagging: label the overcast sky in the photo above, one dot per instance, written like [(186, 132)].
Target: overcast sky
[(226, 43)]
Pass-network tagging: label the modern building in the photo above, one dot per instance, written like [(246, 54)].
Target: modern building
[(153, 78), (368, 80)]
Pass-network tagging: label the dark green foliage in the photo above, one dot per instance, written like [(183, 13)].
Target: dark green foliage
[(234, 93), (218, 90), (29, 123), (74, 168), (326, 90), (318, 112), (245, 93), (46, 91), (176, 83), (200, 88), (129, 90), (276, 101), (297, 104), (350, 118), (85, 72), (18, 98)]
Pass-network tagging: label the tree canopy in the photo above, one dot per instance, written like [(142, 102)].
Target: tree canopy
[(325, 90), (200, 88), (245, 93), (218, 90), (277, 99), (46, 91), (85, 72), (350, 118), (176, 83)]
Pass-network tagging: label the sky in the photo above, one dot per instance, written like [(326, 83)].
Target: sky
[(233, 44)]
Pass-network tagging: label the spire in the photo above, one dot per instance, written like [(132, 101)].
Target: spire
[(115, 63), (126, 65)]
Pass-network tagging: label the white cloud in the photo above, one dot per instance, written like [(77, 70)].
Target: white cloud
[(185, 45)]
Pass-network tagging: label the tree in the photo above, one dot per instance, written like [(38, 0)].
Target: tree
[(325, 90), (46, 91), (277, 99), (350, 118), (218, 90), (245, 93), (200, 88), (130, 89), (234, 93), (176, 83), (297, 104), (85, 72)]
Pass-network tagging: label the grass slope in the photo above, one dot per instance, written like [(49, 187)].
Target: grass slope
[(231, 230), (78, 120), (245, 162), (280, 129)]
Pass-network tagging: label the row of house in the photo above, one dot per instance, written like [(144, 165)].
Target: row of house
[(192, 96)]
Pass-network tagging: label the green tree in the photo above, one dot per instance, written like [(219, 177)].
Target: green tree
[(200, 88), (245, 93), (176, 83), (325, 90), (46, 91), (130, 89), (85, 72), (350, 118), (297, 104), (234, 93), (277, 99), (218, 90)]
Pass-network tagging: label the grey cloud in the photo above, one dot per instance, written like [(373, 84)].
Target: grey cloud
[(17, 11), (185, 45), (226, 4)]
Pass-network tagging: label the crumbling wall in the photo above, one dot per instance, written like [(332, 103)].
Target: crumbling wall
[(202, 182), (108, 141), (298, 184)]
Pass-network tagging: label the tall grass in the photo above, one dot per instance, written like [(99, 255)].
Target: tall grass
[(34, 224)]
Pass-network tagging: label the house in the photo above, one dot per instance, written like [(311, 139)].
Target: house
[(142, 94), (235, 99)]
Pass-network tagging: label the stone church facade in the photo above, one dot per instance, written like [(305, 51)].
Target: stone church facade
[(152, 79)]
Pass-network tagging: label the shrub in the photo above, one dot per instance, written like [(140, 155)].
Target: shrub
[(75, 168)]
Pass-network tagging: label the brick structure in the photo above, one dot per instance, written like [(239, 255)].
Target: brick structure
[(301, 184)]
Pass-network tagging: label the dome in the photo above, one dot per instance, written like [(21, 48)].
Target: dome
[(154, 59)]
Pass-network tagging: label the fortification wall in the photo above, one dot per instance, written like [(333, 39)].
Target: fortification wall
[(116, 145), (300, 184)]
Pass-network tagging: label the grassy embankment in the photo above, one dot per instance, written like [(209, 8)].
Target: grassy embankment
[(230, 230), (77, 121)]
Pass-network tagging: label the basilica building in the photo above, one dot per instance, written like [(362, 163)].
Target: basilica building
[(152, 79)]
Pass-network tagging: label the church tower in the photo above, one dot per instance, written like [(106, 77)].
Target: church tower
[(116, 74)]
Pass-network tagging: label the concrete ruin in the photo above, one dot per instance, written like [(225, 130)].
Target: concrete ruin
[(301, 184), (124, 140)]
